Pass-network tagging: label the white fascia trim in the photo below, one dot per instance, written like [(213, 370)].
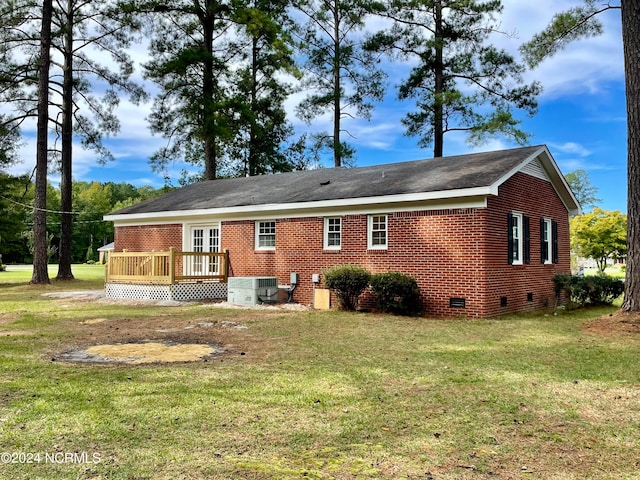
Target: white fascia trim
[(461, 198), (557, 179), (519, 167)]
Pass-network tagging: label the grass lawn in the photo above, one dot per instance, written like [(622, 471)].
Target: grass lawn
[(89, 276), (309, 394)]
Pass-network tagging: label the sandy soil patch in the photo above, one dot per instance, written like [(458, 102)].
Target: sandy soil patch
[(167, 337), (152, 352), (77, 294), (93, 321)]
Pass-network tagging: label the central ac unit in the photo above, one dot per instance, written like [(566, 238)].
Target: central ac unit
[(252, 290)]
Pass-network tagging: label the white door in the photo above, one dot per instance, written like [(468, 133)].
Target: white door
[(205, 239)]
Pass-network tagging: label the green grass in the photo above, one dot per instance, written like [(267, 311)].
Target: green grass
[(88, 276), (615, 271), (322, 395)]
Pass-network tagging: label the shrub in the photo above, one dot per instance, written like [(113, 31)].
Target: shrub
[(397, 293), (3, 268), (591, 290), (348, 282)]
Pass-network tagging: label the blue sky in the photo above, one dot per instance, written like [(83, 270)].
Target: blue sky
[(581, 115)]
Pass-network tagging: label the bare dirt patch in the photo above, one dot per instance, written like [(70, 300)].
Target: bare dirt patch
[(615, 324), (167, 337), (93, 321), (139, 353), (7, 318), (15, 333), (87, 295), (164, 339)]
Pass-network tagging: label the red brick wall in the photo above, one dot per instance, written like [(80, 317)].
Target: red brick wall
[(420, 244), (535, 198), (244, 259), (146, 238), (452, 253)]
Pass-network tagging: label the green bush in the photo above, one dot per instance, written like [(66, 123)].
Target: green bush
[(3, 268), (589, 290), (347, 282), (397, 293)]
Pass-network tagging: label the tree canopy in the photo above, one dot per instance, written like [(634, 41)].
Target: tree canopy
[(601, 235), (584, 191), (459, 81), (343, 78)]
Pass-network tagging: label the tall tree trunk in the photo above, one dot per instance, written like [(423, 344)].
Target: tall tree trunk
[(66, 196), (438, 113), (631, 41), (337, 113), (40, 257)]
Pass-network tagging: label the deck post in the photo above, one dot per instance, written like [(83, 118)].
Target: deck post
[(172, 266), (225, 271)]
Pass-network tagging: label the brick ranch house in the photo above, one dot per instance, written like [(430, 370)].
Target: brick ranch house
[(483, 234)]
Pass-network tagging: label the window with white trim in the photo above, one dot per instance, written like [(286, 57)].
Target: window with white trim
[(332, 233), (546, 243), (377, 232), (515, 238), (266, 235)]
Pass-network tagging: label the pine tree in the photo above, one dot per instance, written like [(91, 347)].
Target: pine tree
[(460, 83), (40, 251), (343, 77)]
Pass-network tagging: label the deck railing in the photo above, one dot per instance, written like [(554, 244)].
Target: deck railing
[(166, 268)]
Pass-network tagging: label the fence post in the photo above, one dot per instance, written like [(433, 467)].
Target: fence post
[(172, 266)]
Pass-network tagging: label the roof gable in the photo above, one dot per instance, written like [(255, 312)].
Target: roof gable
[(438, 178)]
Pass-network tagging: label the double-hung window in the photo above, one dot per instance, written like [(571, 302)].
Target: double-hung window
[(332, 233), (548, 241), (545, 241), (266, 235), (518, 239), (377, 232)]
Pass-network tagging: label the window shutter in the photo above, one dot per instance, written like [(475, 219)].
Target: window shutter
[(554, 237), (527, 240), (510, 237)]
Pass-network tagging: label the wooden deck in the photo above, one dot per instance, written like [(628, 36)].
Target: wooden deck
[(166, 268)]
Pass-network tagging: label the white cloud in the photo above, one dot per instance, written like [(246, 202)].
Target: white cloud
[(571, 148), (585, 66)]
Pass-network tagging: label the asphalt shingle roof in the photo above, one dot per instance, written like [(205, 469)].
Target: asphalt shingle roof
[(420, 176)]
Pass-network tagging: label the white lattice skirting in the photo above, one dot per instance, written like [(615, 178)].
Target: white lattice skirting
[(181, 292)]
